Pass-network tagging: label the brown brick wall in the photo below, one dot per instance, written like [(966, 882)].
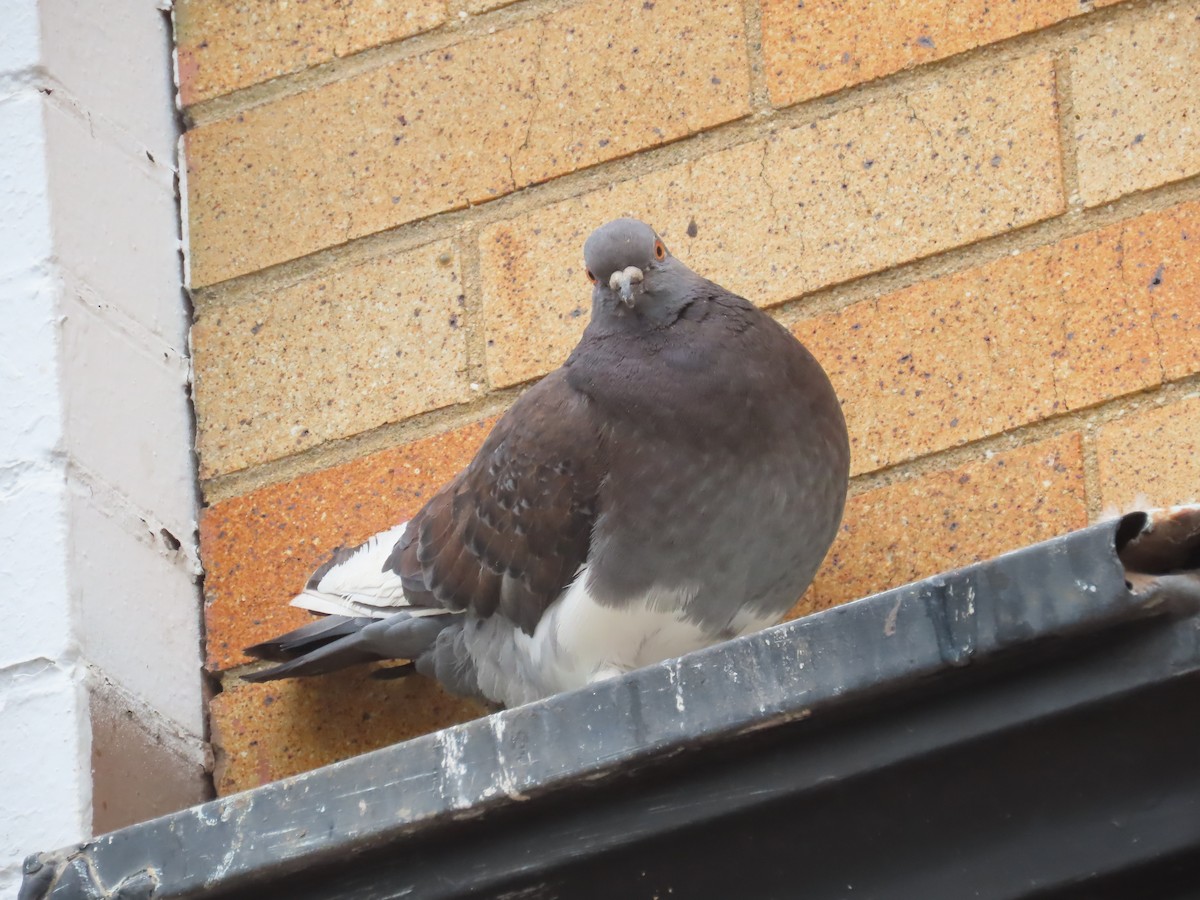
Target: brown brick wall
[(982, 217)]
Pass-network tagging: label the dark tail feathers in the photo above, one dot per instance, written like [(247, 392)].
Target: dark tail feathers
[(337, 642)]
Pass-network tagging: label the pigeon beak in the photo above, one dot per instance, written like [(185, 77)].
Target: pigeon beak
[(623, 282)]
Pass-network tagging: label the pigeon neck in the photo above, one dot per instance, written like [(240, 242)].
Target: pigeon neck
[(658, 307), (618, 318)]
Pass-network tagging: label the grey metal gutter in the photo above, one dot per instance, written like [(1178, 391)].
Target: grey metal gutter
[(676, 779)]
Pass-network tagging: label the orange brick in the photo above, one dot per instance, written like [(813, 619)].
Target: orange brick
[(1151, 458), (461, 125), (263, 732), (331, 356), (911, 530), (855, 193), (820, 46), (994, 347), (1136, 89), (260, 548), (224, 45)]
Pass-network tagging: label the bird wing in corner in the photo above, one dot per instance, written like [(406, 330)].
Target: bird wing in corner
[(504, 537)]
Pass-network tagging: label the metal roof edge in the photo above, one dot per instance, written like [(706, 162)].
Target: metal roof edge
[(1073, 584)]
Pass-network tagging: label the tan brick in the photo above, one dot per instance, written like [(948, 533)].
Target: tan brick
[(944, 362), (1110, 343), (1000, 345), (615, 77), (820, 46), (1165, 248), (1136, 88), (224, 45), (354, 157), (1130, 306), (537, 299), (460, 125), (812, 206), (911, 530), (259, 548), (331, 356), (1151, 458), (263, 732), (1129, 298), (902, 179)]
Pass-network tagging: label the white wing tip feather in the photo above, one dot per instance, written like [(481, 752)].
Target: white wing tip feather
[(334, 605), (326, 604)]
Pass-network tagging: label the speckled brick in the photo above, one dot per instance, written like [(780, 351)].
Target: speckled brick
[(943, 362), (1129, 311), (224, 45), (459, 125), (1137, 91), (714, 214), (328, 357), (351, 158), (904, 178), (917, 528), (260, 548), (1010, 342), (1166, 247), (482, 6), (820, 46), (615, 77), (1151, 458), (855, 193), (263, 732)]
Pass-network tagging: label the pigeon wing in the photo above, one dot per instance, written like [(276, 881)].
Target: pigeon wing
[(509, 534)]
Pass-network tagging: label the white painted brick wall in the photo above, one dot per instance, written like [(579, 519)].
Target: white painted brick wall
[(41, 738), (127, 42), (113, 210), (46, 792), (24, 212), (95, 430), (124, 402), (129, 584), (19, 50)]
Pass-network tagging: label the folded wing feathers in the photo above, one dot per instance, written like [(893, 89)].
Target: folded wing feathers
[(506, 536)]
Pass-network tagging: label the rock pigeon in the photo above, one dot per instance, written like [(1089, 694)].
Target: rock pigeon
[(675, 483)]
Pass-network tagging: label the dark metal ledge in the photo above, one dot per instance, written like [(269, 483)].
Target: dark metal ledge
[(1025, 727)]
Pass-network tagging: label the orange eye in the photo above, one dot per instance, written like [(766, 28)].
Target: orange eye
[(660, 251), (591, 277)]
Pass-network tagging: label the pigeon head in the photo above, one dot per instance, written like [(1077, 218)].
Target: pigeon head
[(633, 270)]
